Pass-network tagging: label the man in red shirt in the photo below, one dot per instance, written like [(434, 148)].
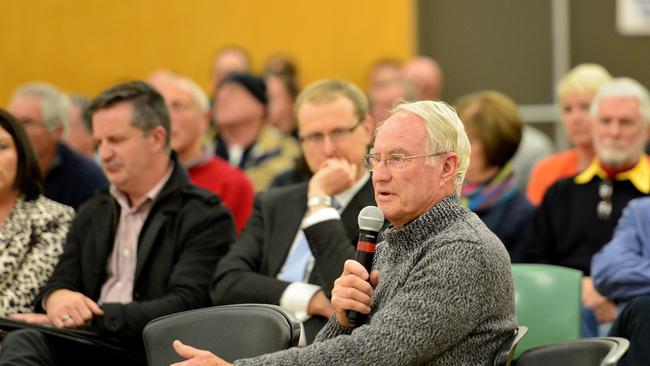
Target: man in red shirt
[(189, 111)]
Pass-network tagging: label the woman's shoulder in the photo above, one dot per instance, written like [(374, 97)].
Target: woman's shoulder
[(45, 208)]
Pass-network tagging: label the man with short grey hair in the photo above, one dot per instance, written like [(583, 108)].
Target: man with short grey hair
[(441, 290), (69, 178), (143, 248)]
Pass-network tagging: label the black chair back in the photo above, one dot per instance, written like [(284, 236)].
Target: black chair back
[(230, 331), (597, 351)]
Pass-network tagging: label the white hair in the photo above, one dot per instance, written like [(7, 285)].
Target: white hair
[(446, 132), (55, 106), (623, 88), (197, 92)]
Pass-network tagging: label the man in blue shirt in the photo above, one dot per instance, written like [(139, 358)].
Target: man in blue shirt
[(621, 271)]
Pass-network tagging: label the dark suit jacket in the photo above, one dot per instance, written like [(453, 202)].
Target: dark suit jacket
[(248, 272), (186, 233), (72, 179)]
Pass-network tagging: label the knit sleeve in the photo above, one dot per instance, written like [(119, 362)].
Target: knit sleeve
[(424, 316)]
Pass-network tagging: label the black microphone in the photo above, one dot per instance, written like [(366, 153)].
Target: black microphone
[(370, 222)]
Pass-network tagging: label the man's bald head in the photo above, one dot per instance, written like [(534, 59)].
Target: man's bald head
[(425, 75)]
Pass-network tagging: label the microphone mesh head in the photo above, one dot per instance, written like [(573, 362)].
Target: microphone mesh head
[(371, 219)]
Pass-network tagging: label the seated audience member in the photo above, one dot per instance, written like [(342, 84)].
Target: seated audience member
[(69, 178), (385, 94), (143, 248), (189, 112), (297, 240), (441, 291), (425, 76), (578, 215), (32, 227), (494, 128), (634, 324), (243, 137), (621, 271), (79, 137), (574, 93)]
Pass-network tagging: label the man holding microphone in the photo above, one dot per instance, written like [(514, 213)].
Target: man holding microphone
[(441, 291)]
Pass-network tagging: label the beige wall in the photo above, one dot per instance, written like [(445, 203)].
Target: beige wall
[(87, 45)]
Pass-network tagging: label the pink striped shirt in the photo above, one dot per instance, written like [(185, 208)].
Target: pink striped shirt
[(122, 261)]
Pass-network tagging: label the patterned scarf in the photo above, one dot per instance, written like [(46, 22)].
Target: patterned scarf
[(478, 197)]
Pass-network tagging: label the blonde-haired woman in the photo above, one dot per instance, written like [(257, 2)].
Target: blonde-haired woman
[(575, 92)]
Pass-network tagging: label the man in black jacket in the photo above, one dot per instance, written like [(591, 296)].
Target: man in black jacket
[(295, 243), (143, 248)]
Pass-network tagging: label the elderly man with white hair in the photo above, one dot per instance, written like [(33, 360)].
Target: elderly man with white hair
[(578, 214), (441, 290), (70, 178)]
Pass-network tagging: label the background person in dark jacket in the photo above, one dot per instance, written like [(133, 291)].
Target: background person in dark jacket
[(142, 249)]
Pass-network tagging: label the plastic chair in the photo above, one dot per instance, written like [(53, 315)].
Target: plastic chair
[(597, 351), (504, 357), (231, 331), (547, 301)]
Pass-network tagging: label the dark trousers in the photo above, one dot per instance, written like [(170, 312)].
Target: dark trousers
[(29, 347), (634, 324)]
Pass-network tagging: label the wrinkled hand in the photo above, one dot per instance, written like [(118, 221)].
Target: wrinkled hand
[(70, 309), (333, 176), (196, 357), (31, 318), (603, 308), (320, 305), (352, 291)]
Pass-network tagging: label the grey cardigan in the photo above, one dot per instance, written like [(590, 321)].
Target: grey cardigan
[(445, 297)]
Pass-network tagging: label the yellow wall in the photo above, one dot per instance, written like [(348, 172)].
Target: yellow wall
[(87, 45)]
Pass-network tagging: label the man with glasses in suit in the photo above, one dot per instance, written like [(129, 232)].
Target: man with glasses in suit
[(299, 236)]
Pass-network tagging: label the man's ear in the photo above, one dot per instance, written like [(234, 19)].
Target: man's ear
[(159, 136), (449, 166)]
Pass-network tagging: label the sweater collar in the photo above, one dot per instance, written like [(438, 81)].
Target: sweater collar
[(438, 218)]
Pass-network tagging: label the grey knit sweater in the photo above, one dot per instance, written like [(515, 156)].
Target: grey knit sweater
[(445, 297)]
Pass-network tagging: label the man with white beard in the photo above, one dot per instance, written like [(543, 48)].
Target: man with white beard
[(578, 214)]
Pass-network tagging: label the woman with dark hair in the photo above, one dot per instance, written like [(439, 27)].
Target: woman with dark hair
[(32, 227), (494, 128)]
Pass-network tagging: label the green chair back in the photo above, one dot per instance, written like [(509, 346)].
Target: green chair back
[(547, 301)]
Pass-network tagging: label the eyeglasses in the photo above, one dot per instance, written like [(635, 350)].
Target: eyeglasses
[(391, 162), (604, 208), (337, 135)]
